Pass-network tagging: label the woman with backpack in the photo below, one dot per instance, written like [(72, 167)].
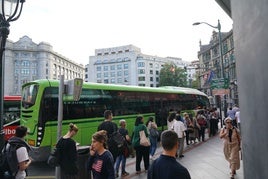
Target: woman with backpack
[(16, 159)]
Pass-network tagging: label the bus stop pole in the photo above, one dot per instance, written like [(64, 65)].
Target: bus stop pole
[(60, 114)]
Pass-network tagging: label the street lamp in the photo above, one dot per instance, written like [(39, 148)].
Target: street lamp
[(220, 50), (220, 43), (10, 10)]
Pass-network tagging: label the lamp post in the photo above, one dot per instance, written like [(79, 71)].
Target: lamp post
[(10, 10), (220, 49), (220, 43)]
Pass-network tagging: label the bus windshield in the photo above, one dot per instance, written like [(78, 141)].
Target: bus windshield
[(29, 94)]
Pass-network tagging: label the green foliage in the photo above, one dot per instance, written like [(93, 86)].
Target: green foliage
[(170, 75)]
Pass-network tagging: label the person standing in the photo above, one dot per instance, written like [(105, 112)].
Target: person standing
[(68, 154), (231, 147), (22, 152), (151, 126), (202, 122), (170, 120), (237, 118), (100, 161), (180, 128), (110, 127), (142, 152), (121, 158), (166, 166)]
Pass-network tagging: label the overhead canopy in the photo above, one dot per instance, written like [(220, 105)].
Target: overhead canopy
[(226, 6)]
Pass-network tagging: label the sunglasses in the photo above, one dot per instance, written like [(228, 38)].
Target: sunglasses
[(228, 122)]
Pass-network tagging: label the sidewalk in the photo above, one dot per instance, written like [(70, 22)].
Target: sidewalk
[(204, 160)]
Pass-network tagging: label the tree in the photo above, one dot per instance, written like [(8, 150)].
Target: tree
[(170, 75)]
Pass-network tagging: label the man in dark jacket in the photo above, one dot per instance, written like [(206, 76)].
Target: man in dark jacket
[(166, 166), (110, 127)]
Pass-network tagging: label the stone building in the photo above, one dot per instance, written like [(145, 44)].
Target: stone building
[(27, 61)]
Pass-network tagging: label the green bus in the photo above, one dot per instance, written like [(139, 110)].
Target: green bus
[(39, 109)]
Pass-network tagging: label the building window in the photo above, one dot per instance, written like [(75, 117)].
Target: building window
[(126, 66), (119, 73), (105, 68), (151, 65), (98, 75), (112, 74), (112, 80), (151, 79), (157, 72), (98, 81), (141, 64), (151, 85), (119, 80), (25, 63), (105, 74), (157, 79), (126, 73), (151, 72), (141, 71), (141, 78), (98, 68), (112, 67), (119, 66), (106, 81)]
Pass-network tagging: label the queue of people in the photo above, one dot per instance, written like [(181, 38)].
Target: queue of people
[(105, 160)]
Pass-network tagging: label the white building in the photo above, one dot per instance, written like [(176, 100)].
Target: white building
[(27, 61), (127, 65)]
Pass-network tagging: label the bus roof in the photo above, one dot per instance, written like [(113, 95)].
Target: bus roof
[(164, 89)]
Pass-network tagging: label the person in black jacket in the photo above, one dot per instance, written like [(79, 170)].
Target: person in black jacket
[(68, 154), (166, 166), (110, 127)]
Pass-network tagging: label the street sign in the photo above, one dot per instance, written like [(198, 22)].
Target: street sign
[(219, 83)]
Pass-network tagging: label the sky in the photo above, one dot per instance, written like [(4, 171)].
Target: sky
[(158, 27)]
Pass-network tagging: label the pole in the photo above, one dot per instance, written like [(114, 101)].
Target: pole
[(222, 66), (60, 115), (220, 49), (4, 31)]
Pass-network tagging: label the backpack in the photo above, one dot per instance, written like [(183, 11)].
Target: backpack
[(54, 157), (117, 140), (9, 160)]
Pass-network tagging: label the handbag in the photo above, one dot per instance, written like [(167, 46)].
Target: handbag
[(154, 132), (144, 141)]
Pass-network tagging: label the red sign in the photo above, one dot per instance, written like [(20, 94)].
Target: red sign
[(9, 131), (220, 92)]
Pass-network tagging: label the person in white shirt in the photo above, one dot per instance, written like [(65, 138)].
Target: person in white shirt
[(22, 152), (237, 118), (179, 128)]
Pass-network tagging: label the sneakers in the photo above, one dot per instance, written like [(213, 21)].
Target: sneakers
[(116, 175), (124, 174), (138, 172)]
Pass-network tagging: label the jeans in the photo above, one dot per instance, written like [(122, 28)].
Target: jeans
[(153, 146), (120, 158)]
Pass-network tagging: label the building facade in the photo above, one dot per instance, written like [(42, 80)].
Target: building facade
[(27, 61), (209, 67), (127, 65)]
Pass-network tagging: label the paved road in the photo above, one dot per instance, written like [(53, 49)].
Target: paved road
[(204, 160)]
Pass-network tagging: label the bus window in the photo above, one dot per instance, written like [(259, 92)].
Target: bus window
[(29, 96)]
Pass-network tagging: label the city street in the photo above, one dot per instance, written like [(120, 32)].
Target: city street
[(204, 160)]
